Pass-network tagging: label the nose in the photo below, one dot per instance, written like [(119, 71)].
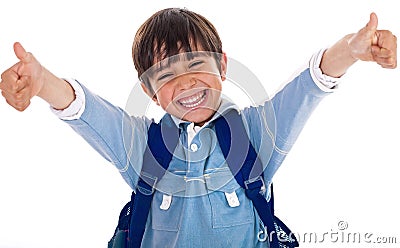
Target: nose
[(186, 82)]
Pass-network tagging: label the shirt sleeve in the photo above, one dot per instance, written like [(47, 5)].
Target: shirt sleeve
[(276, 125), (324, 82), (117, 136), (76, 108)]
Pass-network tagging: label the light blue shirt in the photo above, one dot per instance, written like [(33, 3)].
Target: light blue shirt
[(198, 202)]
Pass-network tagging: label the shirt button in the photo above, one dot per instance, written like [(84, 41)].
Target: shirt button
[(194, 147)]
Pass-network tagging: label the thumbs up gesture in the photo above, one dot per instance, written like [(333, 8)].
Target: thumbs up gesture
[(28, 78), (23, 80), (370, 44)]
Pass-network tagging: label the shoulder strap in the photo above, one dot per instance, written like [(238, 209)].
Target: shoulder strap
[(247, 169), (161, 142), (237, 149)]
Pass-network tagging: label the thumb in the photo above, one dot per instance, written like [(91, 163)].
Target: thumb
[(372, 25), (21, 54)]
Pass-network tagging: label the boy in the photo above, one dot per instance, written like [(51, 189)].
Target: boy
[(207, 208)]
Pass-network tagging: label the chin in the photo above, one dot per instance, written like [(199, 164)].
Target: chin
[(199, 117)]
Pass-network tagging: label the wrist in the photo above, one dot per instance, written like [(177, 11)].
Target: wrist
[(338, 58), (56, 91), (352, 51)]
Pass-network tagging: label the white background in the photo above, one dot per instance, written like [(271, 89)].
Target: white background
[(56, 191)]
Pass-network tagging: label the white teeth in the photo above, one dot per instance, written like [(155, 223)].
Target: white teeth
[(194, 100)]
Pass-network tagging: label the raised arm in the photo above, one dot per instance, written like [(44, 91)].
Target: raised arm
[(29, 78), (294, 103), (368, 44), (118, 137)]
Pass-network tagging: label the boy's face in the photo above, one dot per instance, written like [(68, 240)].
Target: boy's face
[(188, 87)]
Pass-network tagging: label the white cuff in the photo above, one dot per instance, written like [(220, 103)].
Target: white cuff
[(324, 82), (76, 108)]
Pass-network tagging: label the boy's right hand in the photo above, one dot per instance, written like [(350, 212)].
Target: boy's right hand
[(28, 78), (23, 80)]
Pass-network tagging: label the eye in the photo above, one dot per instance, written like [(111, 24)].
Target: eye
[(164, 76), (195, 63)]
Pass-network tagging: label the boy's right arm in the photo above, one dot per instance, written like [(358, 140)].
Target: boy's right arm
[(119, 138), (28, 78)]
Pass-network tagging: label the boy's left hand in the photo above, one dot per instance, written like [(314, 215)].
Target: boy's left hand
[(370, 44)]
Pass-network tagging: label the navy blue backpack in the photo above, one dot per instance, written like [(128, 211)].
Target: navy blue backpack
[(242, 160)]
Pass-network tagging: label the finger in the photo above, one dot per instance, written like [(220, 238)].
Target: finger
[(9, 81), (9, 96), (381, 52), (372, 24), (13, 85), (21, 53), (385, 53), (370, 28), (20, 107), (19, 101), (385, 61), (389, 63), (388, 66), (387, 40), (11, 72), (16, 96)]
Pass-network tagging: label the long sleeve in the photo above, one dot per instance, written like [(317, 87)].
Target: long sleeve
[(275, 126), (118, 137)]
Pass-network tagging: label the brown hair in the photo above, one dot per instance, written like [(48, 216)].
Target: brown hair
[(169, 32)]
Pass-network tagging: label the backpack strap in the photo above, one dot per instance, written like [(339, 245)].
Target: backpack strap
[(247, 169), (161, 142)]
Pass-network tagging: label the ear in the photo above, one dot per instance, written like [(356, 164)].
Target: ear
[(224, 64), (148, 92)]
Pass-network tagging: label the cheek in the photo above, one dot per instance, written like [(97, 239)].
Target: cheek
[(164, 97), (213, 82)]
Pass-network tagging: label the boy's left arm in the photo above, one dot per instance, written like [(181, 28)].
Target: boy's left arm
[(294, 103), (368, 44)]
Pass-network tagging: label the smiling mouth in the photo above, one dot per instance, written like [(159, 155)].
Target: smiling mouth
[(193, 100)]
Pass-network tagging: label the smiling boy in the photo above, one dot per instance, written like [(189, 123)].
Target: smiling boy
[(179, 59), (189, 88)]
